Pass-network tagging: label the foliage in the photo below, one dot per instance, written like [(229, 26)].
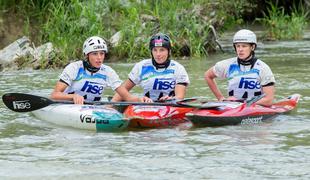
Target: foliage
[(284, 26), (68, 23)]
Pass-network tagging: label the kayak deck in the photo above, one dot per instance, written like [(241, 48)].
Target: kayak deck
[(155, 116), (241, 114)]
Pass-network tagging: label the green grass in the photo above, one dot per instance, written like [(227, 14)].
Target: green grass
[(282, 26)]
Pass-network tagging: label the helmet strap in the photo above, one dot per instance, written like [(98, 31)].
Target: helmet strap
[(248, 62), (162, 65), (89, 67)]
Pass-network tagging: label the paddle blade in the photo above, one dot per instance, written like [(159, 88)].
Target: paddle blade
[(19, 102)]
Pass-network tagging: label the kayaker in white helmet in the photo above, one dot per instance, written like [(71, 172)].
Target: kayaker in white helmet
[(247, 75), (87, 79), (160, 77)]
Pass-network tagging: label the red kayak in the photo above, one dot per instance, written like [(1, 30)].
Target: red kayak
[(155, 116), (234, 113)]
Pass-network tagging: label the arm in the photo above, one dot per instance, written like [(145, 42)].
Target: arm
[(123, 94), (210, 78), (58, 94), (180, 91), (268, 86), (269, 96), (128, 85)]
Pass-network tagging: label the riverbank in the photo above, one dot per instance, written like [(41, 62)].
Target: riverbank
[(194, 26)]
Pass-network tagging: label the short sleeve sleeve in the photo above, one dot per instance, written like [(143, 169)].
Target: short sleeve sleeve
[(134, 74), (69, 73), (113, 79), (267, 76), (182, 76), (220, 69)]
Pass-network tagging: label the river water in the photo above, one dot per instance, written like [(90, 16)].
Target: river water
[(33, 149)]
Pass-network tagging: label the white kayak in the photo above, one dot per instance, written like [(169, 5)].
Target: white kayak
[(89, 117)]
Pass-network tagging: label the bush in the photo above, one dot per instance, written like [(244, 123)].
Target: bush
[(282, 26)]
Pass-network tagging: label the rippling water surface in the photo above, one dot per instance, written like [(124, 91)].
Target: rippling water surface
[(30, 148)]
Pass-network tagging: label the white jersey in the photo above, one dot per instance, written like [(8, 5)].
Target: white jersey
[(87, 84), (158, 82), (244, 82)]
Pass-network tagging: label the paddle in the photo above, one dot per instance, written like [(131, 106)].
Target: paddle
[(254, 100), (20, 102), (232, 103)]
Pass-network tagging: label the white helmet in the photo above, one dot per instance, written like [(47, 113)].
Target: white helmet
[(245, 36), (94, 43)]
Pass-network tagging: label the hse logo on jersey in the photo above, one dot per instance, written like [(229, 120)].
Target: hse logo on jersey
[(92, 87), (249, 83), (163, 84)]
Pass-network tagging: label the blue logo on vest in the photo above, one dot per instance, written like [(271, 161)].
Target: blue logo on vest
[(163, 84), (92, 87), (249, 83)]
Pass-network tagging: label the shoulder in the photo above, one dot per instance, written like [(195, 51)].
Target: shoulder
[(74, 65), (262, 66), (175, 63), (143, 63), (177, 66), (106, 68), (227, 62), (221, 68), (261, 63)]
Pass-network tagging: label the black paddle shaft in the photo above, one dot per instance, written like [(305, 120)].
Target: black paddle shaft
[(20, 102)]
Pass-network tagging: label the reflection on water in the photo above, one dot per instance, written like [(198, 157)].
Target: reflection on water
[(30, 148)]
